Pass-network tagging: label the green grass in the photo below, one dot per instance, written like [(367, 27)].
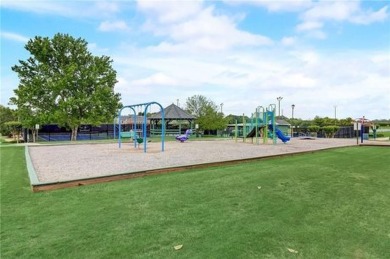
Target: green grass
[(329, 204)]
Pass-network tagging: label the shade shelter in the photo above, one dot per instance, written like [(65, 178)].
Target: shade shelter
[(173, 113)]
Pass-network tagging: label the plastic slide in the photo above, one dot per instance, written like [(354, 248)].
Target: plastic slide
[(280, 134)]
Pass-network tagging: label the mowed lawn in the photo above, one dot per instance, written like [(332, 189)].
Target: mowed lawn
[(328, 204)]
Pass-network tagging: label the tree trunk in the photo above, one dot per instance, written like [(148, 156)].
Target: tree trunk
[(74, 133), (16, 134), (34, 134)]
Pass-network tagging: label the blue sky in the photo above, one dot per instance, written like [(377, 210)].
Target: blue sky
[(321, 56)]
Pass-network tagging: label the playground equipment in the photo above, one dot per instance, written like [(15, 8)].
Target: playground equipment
[(136, 138), (279, 134), (184, 137), (263, 124)]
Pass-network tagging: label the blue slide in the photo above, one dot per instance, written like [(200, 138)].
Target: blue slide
[(280, 134)]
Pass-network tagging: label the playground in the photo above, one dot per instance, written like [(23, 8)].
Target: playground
[(80, 164), (60, 166)]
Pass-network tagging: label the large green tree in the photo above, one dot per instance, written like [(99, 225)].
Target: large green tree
[(62, 82), (206, 112)]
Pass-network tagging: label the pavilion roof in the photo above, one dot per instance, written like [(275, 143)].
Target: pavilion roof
[(173, 112)]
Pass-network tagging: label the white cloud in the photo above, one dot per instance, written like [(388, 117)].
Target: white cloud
[(368, 17), (275, 6), (309, 25), (14, 37), (106, 6), (326, 10), (74, 9), (314, 18), (201, 30), (36, 6), (157, 79), (288, 41), (113, 26), (170, 11), (350, 11)]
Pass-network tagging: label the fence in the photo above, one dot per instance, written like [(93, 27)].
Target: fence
[(53, 132)]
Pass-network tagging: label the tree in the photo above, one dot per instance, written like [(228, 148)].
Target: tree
[(210, 119), (62, 82), (6, 115), (330, 131), (206, 112), (16, 128), (313, 128), (346, 122), (232, 119), (196, 105)]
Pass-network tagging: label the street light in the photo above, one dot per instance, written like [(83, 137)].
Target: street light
[(292, 119), (279, 99), (221, 107), (292, 111)]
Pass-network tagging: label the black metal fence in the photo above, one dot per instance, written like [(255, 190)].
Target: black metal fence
[(52, 132)]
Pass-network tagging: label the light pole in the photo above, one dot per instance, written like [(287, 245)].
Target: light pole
[(221, 107), (335, 112), (292, 111), (279, 99), (292, 119)]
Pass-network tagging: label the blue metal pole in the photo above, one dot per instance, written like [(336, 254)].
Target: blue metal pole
[(119, 127), (144, 127), (134, 128), (163, 128), (114, 130)]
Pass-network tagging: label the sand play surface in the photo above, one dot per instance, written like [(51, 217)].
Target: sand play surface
[(58, 163)]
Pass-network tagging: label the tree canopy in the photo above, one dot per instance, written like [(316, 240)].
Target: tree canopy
[(62, 82), (206, 112)]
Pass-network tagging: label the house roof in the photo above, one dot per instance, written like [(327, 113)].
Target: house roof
[(173, 112)]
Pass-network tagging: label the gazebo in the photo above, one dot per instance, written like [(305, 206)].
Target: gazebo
[(173, 113)]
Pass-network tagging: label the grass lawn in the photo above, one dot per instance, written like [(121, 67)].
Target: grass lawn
[(329, 204)]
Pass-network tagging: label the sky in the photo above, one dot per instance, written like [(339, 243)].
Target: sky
[(328, 58)]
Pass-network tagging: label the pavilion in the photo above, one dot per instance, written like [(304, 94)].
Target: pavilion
[(175, 120)]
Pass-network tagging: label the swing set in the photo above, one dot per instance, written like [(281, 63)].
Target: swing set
[(133, 134)]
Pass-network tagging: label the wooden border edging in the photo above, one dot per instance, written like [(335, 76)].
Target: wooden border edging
[(103, 179)]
